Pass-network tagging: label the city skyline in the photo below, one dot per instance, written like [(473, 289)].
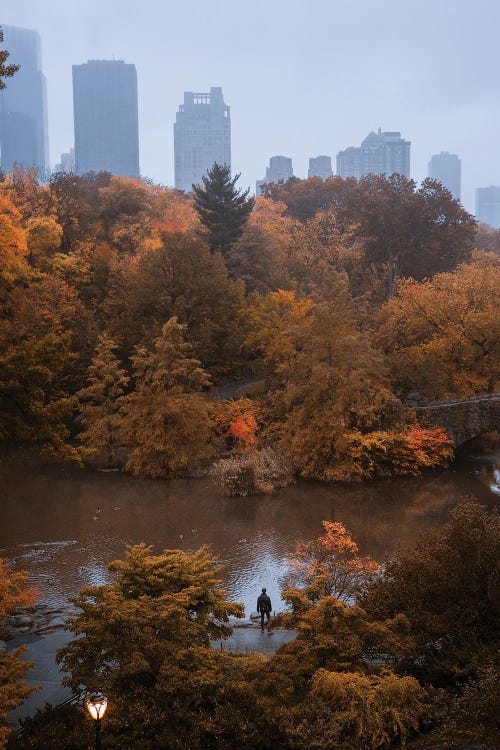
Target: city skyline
[(439, 101)]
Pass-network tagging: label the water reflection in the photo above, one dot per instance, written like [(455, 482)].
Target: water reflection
[(47, 521)]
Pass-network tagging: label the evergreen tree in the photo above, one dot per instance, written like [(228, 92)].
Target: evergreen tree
[(166, 420), (223, 210), (100, 400)]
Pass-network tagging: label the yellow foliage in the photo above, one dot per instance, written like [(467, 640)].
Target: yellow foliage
[(442, 336), (13, 246)]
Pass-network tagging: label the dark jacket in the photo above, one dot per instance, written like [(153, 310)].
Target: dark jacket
[(264, 604)]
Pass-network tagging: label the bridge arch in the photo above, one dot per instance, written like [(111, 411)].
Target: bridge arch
[(464, 419)]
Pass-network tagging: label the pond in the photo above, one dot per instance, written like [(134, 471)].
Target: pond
[(64, 525)]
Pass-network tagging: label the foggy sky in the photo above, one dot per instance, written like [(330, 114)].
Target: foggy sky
[(302, 77)]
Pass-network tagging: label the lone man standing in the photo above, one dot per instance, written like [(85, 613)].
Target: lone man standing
[(264, 606)]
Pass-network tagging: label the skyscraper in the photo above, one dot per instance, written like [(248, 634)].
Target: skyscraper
[(279, 170), (106, 118), (488, 206), (202, 136), (320, 166), (379, 153), (23, 105), (445, 168)]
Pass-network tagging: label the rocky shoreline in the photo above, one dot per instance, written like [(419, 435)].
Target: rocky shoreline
[(44, 619)]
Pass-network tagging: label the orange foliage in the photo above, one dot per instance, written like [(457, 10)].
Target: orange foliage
[(14, 591), (174, 211), (276, 321), (441, 337), (429, 445), (237, 423), (334, 557), (384, 453), (244, 427), (13, 247)]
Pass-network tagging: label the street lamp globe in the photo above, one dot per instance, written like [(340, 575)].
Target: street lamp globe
[(96, 705)]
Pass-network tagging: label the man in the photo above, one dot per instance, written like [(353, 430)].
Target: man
[(264, 606)]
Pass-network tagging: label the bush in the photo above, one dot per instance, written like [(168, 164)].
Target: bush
[(258, 471)]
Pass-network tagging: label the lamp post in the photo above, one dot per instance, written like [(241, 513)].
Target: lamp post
[(96, 704)]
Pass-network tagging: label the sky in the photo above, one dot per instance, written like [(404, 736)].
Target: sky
[(302, 77)]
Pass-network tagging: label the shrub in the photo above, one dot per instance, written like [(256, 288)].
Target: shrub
[(258, 471)]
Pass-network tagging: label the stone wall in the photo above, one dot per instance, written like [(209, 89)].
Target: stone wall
[(463, 419)]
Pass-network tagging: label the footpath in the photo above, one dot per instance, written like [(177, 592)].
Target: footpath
[(41, 649)]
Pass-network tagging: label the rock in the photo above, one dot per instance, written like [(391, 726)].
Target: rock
[(413, 399), (255, 616), (56, 622), (23, 621)]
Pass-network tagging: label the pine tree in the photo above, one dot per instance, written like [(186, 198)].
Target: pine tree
[(223, 210), (166, 420), (100, 401)]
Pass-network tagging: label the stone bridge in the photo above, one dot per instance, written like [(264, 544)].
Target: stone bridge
[(464, 419)]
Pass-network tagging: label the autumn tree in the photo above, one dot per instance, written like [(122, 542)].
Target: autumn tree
[(14, 593), (448, 587), (332, 693), (408, 231), (237, 423), (34, 404), (251, 259), (325, 246), (413, 232), (173, 210), (471, 715), (31, 198), (75, 201), (181, 278), (13, 246), (355, 712), (328, 381), (222, 208), (144, 640), (305, 198), (166, 420), (124, 209), (44, 237), (7, 70), (488, 239), (442, 336), (335, 558), (279, 322), (100, 401)]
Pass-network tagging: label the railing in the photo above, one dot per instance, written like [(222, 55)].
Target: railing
[(455, 402), (76, 698)]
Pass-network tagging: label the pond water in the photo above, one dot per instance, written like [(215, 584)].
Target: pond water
[(64, 525)]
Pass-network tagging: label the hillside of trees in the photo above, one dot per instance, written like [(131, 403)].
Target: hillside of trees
[(123, 304)]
